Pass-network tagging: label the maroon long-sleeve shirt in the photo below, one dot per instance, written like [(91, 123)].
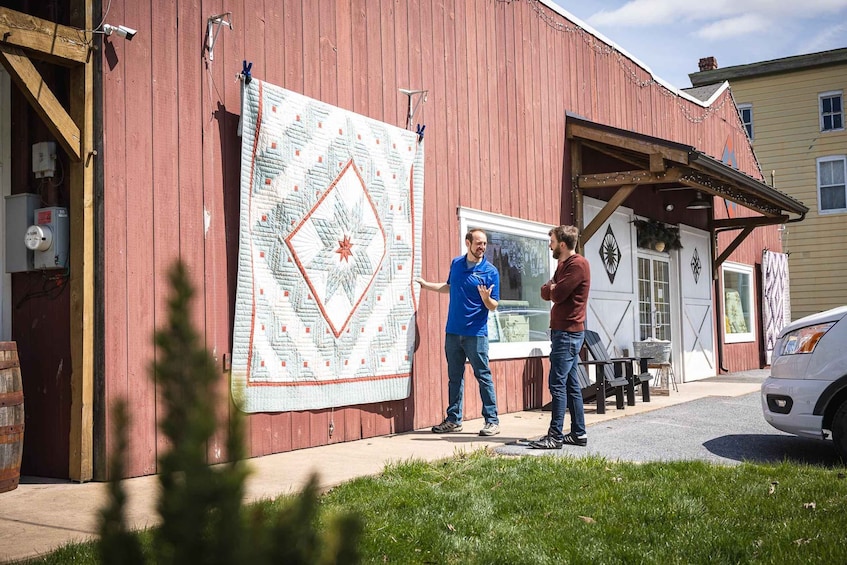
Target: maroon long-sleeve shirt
[(570, 295)]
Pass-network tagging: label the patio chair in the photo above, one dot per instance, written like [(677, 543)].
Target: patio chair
[(603, 386), (612, 376), (621, 367), (605, 383)]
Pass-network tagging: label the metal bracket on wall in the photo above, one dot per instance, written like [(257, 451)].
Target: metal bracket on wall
[(411, 112), (216, 22)]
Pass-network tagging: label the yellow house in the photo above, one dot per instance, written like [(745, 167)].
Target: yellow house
[(793, 109)]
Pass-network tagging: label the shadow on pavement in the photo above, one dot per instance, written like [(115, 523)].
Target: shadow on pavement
[(774, 448)]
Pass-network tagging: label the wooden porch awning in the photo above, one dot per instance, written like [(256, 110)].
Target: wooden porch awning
[(667, 165)]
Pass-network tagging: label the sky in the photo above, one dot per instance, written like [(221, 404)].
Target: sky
[(671, 36)]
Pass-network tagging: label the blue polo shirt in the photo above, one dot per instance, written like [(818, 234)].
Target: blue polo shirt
[(467, 315)]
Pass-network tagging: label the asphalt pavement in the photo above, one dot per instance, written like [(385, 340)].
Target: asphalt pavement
[(717, 429)]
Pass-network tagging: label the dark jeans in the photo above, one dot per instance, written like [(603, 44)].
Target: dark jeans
[(564, 382), (457, 348)]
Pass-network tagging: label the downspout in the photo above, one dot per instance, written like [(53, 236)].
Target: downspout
[(720, 324)]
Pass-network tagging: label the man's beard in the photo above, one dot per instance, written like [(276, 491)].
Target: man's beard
[(557, 252)]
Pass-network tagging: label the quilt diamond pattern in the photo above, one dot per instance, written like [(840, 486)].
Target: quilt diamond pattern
[(329, 246)]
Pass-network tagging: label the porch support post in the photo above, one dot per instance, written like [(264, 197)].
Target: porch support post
[(81, 440), (577, 204)]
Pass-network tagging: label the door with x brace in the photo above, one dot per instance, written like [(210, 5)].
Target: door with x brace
[(697, 323)]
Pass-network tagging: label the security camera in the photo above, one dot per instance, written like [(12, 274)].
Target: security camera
[(126, 32)]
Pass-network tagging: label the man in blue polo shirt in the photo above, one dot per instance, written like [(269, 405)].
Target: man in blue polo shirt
[(474, 287)]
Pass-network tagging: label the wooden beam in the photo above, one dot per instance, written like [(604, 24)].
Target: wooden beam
[(83, 263), (628, 177), (44, 39), (42, 99), (657, 163), (616, 200), (733, 245), (617, 154), (739, 223), (617, 140)]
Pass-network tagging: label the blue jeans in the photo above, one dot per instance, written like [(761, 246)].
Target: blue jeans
[(564, 382), (457, 348)]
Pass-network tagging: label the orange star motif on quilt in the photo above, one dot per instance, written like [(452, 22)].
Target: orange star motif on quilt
[(345, 248)]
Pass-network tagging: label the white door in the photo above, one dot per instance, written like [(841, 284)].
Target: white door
[(697, 332), (612, 303), (5, 190)]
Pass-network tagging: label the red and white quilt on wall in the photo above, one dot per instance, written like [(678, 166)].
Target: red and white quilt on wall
[(331, 205), (776, 299)]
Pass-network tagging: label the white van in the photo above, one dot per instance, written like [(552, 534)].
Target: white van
[(806, 394)]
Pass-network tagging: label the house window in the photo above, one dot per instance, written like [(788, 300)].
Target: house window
[(521, 252), (739, 312), (832, 111), (746, 113), (832, 192)]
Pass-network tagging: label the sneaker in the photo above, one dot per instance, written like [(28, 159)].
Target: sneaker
[(546, 442), (490, 429), (446, 426), (571, 439)]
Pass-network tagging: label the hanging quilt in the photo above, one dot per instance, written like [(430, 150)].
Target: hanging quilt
[(776, 302), (330, 231)]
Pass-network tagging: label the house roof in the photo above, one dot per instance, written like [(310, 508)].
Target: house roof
[(784, 65), (703, 92)]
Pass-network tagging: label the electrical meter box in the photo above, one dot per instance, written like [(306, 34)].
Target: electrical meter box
[(47, 237), (20, 211)]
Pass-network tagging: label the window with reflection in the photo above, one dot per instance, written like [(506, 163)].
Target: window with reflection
[(521, 252), (738, 305)]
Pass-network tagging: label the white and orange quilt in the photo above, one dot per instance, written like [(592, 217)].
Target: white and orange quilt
[(330, 231)]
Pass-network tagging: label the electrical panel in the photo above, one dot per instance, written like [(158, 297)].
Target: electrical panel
[(47, 237), (20, 211)]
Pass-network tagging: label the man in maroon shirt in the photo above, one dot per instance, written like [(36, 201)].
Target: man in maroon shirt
[(568, 289)]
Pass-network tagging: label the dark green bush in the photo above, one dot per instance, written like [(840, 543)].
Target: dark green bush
[(203, 519)]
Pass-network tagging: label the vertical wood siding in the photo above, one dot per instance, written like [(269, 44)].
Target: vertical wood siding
[(500, 77)]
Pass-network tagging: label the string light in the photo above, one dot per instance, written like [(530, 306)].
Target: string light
[(626, 64)]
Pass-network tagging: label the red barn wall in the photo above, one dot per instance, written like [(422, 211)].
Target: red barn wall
[(500, 76)]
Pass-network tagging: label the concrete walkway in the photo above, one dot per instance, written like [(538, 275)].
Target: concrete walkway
[(43, 514)]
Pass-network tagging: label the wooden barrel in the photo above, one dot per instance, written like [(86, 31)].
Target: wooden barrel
[(11, 416)]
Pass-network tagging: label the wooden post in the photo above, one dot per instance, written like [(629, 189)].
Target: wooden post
[(81, 462)]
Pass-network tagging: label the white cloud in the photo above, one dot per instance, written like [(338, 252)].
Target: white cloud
[(828, 38), (733, 27), (646, 13), (670, 36)]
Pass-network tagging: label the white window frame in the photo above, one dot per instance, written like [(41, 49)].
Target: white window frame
[(748, 126), (830, 94), (827, 159), (470, 218), (744, 270)]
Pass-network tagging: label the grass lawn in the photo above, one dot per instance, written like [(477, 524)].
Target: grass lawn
[(484, 508)]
